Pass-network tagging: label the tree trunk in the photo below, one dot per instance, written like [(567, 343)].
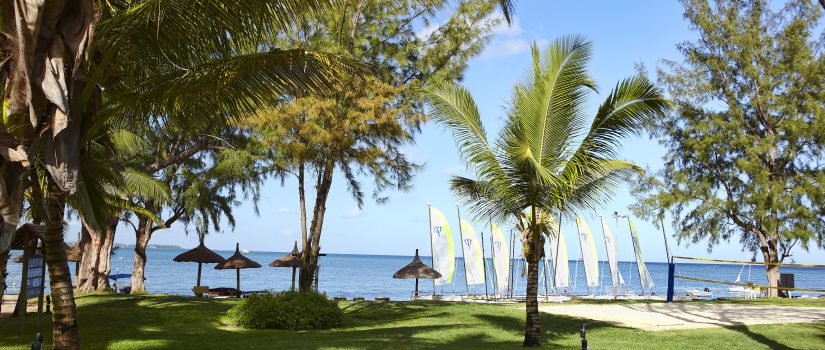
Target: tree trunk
[(772, 271), (64, 314), (302, 202), (142, 236), (533, 253), (89, 245), (532, 330), (105, 256), (6, 233), (96, 253), (309, 262)]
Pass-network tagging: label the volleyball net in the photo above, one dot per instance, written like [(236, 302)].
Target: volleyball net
[(706, 277)]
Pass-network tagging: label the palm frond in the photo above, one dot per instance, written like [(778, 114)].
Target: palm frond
[(231, 87), (548, 103), (632, 104), (143, 186), (594, 187), (452, 106)]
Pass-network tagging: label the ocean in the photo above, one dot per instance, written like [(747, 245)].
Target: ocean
[(370, 276)]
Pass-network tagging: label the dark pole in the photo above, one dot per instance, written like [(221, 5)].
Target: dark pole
[(238, 280), (416, 289), (200, 267)]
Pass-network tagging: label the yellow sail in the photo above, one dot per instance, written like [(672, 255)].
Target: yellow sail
[(443, 247)]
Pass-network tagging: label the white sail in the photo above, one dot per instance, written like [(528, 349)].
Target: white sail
[(589, 256), (443, 247), (561, 270), (612, 258), (473, 257), (501, 259), (644, 274)]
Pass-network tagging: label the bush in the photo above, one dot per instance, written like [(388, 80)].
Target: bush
[(287, 310)]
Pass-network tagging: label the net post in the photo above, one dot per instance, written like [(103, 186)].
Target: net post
[(671, 269)]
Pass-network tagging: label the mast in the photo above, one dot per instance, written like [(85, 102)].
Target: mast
[(430, 233), (636, 256), (664, 235), (581, 257), (546, 297), (463, 252), (484, 261), (606, 252), (556, 255), (494, 280), (510, 266)]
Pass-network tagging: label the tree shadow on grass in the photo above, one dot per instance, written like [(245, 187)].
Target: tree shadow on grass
[(154, 322)]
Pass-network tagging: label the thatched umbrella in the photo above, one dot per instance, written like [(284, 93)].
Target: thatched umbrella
[(72, 254), (201, 255), (237, 262), (293, 260), (417, 269)]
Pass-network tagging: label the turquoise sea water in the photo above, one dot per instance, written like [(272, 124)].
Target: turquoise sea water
[(370, 276)]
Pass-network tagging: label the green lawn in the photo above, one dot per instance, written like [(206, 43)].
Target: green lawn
[(164, 322)]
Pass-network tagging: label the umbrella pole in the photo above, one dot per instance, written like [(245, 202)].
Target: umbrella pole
[(238, 281), (416, 289), (200, 266)]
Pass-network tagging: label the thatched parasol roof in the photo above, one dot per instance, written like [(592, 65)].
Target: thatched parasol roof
[(200, 254), (28, 231), (237, 261), (417, 269), (293, 259)]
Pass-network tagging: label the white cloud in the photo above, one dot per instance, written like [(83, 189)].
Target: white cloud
[(502, 28), (283, 210), (353, 213), (453, 170), (508, 40), (504, 48)]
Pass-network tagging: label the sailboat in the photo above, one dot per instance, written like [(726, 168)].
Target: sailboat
[(748, 292), (473, 255), (501, 260), (590, 259), (443, 248), (559, 260), (644, 274), (610, 248)]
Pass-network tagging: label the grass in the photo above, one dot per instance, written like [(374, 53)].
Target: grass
[(166, 322)]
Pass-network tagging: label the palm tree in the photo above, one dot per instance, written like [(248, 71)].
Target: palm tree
[(548, 158), (198, 54)]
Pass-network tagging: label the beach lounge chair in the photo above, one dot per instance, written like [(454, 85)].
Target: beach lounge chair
[(200, 290)]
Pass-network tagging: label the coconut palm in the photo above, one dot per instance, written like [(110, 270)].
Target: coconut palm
[(549, 158), (197, 58)]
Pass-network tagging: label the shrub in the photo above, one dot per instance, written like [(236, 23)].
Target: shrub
[(287, 310)]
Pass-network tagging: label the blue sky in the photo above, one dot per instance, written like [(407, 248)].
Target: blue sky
[(623, 34)]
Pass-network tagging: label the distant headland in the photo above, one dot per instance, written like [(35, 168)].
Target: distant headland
[(151, 246)]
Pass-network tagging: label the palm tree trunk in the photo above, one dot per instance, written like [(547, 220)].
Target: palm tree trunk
[(64, 315), (143, 234), (532, 328), (532, 331), (6, 233)]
